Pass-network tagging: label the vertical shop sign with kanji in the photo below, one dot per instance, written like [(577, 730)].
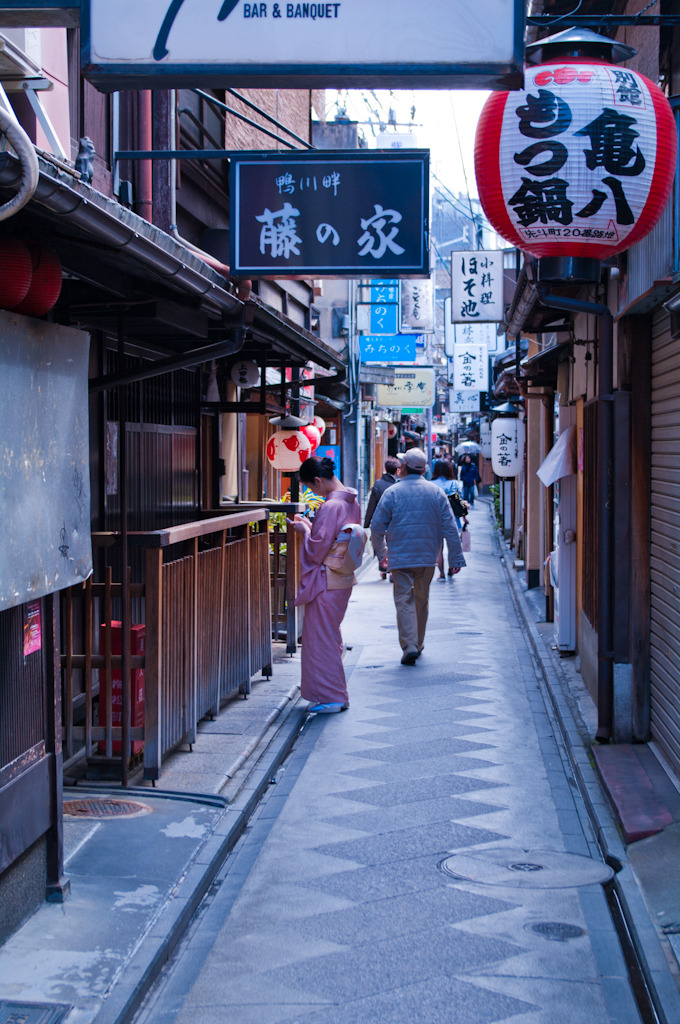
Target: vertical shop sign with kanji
[(477, 286), (463, 401), (470, 368), (417, 306)]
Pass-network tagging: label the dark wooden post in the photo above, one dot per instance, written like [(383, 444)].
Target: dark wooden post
[(57, 887)]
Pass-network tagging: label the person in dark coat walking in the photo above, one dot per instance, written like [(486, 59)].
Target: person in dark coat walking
[(468, 475), (388, 478)]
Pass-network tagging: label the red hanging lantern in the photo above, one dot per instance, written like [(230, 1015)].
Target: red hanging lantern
[(312, 434), (581, 162), (45, 285), (16, 271), (288, 449)]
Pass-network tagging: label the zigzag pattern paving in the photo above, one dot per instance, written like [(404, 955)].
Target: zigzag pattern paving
[(342, 914)]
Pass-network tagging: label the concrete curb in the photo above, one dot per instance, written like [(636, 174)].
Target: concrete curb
[(157, 945), (643, 935)]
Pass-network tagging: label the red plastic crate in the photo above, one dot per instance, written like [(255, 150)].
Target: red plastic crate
[(137, 646)]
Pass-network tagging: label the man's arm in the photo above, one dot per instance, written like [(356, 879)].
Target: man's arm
[(379, 523)]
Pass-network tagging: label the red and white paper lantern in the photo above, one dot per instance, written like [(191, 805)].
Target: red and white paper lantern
[(288, 449), (320, 425), (312, 434), (507, 446), (580, 163)]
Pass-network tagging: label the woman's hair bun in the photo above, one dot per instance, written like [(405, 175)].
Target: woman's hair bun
[(328, 464)]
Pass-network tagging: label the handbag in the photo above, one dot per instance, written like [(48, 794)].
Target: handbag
[(458, 506), (465, 538)]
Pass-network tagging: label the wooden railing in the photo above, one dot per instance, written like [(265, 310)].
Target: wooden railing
[(284, 569), (204, 600)]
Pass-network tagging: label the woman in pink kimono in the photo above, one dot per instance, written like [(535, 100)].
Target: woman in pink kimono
[(324, 591)]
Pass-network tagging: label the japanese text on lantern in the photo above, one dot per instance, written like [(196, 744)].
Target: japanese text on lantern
[(477, 286), (570, 143)]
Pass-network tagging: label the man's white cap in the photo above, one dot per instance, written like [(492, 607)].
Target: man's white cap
[(415, 458)]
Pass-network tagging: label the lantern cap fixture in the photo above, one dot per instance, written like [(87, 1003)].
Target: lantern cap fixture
[(288, 422), (578, 42), (507, 407)]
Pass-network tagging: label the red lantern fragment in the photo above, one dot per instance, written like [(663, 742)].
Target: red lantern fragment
[(15, 272), (45, 285)]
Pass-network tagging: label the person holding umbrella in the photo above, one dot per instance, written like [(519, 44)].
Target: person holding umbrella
[(469, 476)]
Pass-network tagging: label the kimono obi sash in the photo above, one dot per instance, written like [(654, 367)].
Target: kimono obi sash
[(345, 556)]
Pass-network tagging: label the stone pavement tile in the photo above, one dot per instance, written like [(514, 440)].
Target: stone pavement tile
[(427, 768), (370, 968), (415, 790), (442, 747), (409, 914), (375, 883), (555, 1001), (567, 959), (426, 812), (440, 1000), (437, 839)]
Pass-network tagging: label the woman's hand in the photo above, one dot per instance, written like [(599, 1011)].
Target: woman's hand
[(299, 523)]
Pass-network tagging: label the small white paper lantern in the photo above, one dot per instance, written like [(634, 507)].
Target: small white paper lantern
[(485, 438), (507, 446), (320, 425), (245, 373), (288, 449)]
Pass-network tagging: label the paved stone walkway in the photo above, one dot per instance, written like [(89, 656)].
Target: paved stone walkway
[(336, 909)]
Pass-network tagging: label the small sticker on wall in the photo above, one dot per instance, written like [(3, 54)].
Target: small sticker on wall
[(32, 628)]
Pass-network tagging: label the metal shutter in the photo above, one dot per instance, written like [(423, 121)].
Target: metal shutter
[(665, 541)]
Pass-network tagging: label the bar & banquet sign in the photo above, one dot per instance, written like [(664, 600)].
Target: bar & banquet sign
[(386, 43)]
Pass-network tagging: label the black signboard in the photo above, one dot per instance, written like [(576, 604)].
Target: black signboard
[(330, 214)]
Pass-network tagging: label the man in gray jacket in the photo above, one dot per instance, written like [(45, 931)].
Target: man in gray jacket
[(412, 521)]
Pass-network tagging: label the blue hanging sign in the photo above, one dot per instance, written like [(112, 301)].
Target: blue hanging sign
[(399, 348)]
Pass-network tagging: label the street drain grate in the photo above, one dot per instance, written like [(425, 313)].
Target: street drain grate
[(103, 807), (32, 1013), (527, 869), (556, 931)]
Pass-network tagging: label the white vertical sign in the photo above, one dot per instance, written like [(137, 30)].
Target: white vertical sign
[(470, 368), (485, 438), (477, 286), (507, 446), (477, 334), (449, 329), (463, 401), (417, 306)]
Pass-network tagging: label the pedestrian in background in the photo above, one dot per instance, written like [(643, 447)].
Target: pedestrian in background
[(389, 477), (324, 592), (443, 476), (410, 523), (468, 475)]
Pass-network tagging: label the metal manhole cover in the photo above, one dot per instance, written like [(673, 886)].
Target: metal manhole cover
[(32, 1013), (556, 931), (527, 869), (104, 807)]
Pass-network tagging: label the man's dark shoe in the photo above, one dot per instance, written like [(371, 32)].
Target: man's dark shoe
[(409, 657), (419, 652)]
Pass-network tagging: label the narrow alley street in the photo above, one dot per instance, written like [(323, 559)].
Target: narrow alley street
[(425, 857)]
